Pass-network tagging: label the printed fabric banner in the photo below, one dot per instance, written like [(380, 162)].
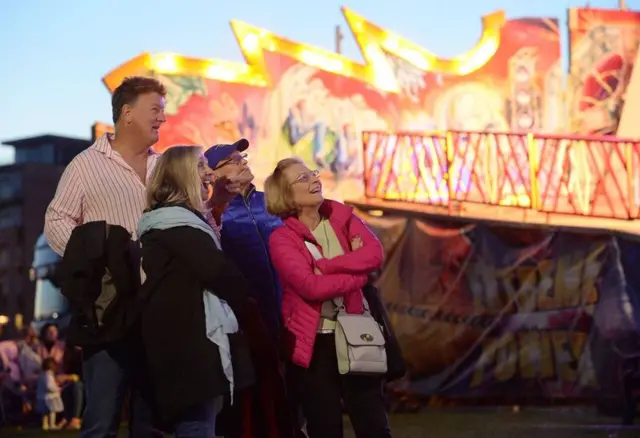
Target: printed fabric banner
[(484, 311)]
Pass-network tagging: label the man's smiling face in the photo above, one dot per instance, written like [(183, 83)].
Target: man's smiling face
[(234, 165)]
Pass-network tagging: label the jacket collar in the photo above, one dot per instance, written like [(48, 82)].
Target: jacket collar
[(337, 213), (241, 198)]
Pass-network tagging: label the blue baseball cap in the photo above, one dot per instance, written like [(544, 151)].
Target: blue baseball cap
[(219, 152)]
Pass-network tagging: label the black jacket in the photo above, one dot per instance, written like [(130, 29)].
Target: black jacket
[(99, 276), (182, 364)]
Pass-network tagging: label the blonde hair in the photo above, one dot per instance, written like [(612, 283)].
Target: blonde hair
[(175, 179), (277, 190)]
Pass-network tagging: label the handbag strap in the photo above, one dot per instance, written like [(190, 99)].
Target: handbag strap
[(338, 301), (315, 253)]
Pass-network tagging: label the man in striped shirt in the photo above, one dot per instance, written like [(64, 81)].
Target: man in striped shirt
[(107, 182)]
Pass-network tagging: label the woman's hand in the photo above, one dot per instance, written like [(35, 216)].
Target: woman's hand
[(356, 243)]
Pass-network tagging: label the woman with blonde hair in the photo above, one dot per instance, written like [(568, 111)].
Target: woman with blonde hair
[(191, 299), (323, 255)]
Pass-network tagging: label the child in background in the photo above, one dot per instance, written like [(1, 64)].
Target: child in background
[(48, 395)]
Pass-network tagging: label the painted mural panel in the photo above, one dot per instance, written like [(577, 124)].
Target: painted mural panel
[(603, 47), (508, 93), (296, 100)]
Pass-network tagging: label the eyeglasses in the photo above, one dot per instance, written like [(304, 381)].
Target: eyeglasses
[(235, 159), (307, 177)]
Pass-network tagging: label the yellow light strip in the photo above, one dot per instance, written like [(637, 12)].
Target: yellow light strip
[(253, 42), (373, 41)]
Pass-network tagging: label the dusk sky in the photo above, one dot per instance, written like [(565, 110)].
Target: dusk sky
[(56, 52)]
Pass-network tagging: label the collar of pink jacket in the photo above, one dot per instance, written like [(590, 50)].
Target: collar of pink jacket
[(337, 213)]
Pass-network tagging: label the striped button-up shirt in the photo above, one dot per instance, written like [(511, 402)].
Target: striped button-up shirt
[(98, 185)]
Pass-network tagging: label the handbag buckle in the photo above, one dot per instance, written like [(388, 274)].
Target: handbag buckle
[(367, 337)]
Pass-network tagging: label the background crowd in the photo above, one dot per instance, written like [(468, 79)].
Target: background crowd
[(22, 364)]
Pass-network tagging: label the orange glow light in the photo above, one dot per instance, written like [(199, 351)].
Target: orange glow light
[(373, 41)]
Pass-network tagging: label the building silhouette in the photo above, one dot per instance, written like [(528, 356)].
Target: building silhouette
[(26, 188)]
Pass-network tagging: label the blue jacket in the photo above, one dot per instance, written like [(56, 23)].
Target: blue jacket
[(246, 227)]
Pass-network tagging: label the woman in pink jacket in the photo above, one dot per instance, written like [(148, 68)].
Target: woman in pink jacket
[(349, 252)]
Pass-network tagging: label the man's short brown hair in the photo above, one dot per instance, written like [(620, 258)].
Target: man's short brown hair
[(277, 190), (129, 90)]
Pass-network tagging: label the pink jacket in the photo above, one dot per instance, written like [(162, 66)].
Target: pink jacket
[(303, 291)]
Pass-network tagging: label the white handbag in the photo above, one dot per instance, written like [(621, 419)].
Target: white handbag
[(360, 344)]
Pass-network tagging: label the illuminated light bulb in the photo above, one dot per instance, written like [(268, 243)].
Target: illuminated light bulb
[(221, 73), (309, 57), (416, 58), (335, 65), (165, 63), (316, 59), (384, 77), (373, 53), (268, 43), (391, 43), (251, 43)]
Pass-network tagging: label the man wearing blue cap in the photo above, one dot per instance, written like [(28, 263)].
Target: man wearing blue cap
[(245, 230)]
